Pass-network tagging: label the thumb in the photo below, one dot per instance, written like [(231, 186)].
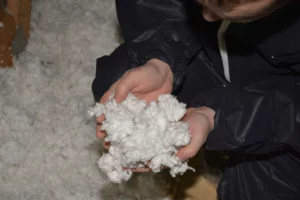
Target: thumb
[(186, 153), (191, 149), (124, 87)]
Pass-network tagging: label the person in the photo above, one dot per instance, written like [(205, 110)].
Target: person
[(236, 63)]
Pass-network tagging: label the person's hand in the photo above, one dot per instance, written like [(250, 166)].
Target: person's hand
[(201, 123), (146, 82)]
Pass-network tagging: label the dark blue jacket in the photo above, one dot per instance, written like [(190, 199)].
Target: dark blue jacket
[(257, 117)]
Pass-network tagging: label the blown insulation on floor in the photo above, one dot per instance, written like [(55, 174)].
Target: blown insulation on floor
[(48, 147)]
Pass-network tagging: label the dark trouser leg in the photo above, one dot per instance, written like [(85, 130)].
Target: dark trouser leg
[(271, 176)]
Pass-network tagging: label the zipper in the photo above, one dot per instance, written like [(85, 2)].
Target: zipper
[(211, 68)]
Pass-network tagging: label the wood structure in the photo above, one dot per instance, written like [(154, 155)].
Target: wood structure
[(196, 185), (14, 19)]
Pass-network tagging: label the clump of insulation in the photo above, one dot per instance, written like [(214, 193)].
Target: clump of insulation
[(142, 135)]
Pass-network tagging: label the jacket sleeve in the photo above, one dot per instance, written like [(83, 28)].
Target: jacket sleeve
[(158, 29), (151, 29), (259, 118), (109, 69)]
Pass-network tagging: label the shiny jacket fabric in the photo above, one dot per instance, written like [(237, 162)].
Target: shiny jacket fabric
[(257, 119)]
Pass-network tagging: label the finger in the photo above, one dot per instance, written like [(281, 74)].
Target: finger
[(145, 169), (185, 153), (105, 97), (137, 169), (99, 133), (125, 86), (108, 93), (187, 114), (191, 149), (100, 119), (141, 170), (106, 145)]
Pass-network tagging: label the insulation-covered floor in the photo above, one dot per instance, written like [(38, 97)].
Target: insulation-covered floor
[(48, 148)]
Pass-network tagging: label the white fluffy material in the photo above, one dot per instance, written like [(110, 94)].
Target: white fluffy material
[(142, 134), (48, 146)]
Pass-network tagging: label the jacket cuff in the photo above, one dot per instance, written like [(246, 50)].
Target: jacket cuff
[(172, 43), (208, 100), (177, 67)]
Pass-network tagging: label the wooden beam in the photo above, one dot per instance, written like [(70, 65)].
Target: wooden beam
[(15, 16), (24, 16), (7, 33)]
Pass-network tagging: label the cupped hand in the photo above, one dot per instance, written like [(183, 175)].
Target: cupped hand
[(146, 82), (201, 123)]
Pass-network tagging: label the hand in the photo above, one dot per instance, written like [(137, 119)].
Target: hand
[(146, 82), (201, 123)]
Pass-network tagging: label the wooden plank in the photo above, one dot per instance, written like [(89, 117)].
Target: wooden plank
[(16, 15), (7, 33), (196, 185), (24, 16), (13, 7)]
